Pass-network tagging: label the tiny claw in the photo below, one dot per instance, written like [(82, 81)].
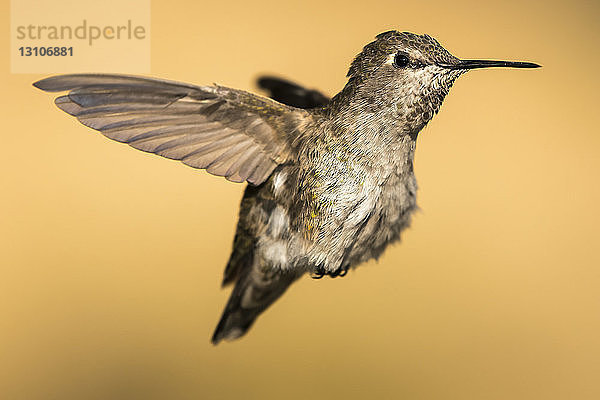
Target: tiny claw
[(321, 272)]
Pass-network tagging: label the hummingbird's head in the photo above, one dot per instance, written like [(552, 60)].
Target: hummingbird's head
[(411, 74)]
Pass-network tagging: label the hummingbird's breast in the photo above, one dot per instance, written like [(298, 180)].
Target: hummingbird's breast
[(343, 201), (351, 198)]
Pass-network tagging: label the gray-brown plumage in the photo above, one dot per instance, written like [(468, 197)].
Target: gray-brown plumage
[(329, 187)]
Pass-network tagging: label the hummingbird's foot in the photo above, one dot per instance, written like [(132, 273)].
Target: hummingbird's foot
[(321, 272)]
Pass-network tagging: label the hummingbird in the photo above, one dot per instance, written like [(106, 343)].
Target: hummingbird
[(330, 182)]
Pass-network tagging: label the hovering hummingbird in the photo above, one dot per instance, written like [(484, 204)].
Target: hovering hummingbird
[(331, 181)]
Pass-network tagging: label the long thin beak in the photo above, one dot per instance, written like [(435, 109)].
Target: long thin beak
[(471, 64)]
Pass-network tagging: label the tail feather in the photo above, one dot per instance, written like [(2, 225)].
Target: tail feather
[(257, 286), (255, 290)]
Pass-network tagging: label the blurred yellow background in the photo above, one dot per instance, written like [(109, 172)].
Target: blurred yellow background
[(112, 258)]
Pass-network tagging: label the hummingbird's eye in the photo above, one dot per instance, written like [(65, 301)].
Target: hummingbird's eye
[(401, 60)]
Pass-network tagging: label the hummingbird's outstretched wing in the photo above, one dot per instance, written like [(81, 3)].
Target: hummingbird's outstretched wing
[(229, 132), (289, 93)]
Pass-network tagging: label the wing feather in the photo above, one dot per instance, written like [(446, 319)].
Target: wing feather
[(229, 132)]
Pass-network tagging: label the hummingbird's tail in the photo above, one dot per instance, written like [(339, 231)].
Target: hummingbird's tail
[(256, 289)]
